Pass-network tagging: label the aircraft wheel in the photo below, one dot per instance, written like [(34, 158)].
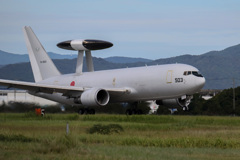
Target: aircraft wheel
[(81, 111), (185, 108), (128, 112), (134, 111), (139, 111), (91, 111), (86, 111)]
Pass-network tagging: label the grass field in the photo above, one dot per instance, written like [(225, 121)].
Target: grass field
[(25, 136)]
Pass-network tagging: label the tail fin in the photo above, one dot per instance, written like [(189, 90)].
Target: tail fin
[(42, 65)]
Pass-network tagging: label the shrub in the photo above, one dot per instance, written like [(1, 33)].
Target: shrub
[(14, 138), (105, 129), (73, 117)]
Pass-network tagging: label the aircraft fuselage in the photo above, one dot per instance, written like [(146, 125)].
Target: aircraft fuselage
[(144, 83)]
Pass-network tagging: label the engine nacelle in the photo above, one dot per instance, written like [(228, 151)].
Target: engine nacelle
[(175, 103), (94, 97)]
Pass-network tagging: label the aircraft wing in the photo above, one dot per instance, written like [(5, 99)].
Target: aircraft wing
[(70, 91), (38, 87)]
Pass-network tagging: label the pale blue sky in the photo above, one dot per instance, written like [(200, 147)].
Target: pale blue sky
[(150, 29)]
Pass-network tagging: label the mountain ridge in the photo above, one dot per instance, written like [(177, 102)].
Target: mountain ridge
[(12, 58), (119, 59), (218, 67)]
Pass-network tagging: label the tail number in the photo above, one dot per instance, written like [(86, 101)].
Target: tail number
[(178, 80), (44, 61)]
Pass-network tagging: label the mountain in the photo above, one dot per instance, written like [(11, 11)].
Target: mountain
[(10, 58), (218, 67), (61, 56), (126, 60), (23, 71)]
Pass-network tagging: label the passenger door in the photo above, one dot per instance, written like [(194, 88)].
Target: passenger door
[(169, 76)]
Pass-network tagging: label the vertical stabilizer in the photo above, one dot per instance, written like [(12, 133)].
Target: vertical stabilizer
[(42, 65)]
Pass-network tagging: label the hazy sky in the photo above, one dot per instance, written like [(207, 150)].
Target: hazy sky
[(150, 29)]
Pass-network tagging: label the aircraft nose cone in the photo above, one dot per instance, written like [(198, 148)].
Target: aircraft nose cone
[(96, 44), (200, 82)]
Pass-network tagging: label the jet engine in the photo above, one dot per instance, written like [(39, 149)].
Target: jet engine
[(93, 97), (183, 102)]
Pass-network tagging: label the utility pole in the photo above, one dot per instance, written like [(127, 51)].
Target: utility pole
[(234, 105)]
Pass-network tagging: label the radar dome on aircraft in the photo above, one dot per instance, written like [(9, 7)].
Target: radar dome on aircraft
[(84, 45)]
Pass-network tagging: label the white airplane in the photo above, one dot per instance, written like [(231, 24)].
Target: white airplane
[(170, 84)]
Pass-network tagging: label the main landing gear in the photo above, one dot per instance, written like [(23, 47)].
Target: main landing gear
[(86, 111), (185, 108), (134, 112)]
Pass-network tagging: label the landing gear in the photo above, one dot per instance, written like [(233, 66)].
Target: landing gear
[(81, 111), (185, 108), (133, 111), (91, 111), (86, 111)]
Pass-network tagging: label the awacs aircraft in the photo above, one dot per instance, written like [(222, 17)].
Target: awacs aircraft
[(170, 84)]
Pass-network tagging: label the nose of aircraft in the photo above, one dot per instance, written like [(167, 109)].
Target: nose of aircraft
[(200, 82)]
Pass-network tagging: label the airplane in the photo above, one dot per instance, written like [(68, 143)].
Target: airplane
[(168, 84)]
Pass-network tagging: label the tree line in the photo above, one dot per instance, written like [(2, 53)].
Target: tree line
[(221, 104)]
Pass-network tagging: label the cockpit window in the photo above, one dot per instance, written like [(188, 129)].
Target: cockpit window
[(187, 73), (195, 73)]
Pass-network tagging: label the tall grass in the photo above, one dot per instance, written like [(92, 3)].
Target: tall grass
[(133, 118), (47, 136), (16, 138)]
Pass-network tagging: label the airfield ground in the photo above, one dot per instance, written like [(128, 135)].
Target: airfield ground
[(25, 136)]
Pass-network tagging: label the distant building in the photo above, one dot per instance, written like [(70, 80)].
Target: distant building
[(210, 93), (22, 96)]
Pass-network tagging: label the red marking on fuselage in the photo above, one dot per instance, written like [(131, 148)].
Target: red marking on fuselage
[(72, 83)]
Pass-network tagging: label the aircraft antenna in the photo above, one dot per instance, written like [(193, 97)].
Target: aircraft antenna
[(87, 46), (89, 61), (79, 66)]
